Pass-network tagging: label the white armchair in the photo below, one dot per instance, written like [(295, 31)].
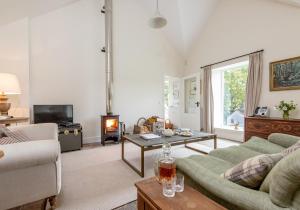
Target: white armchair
[(31, 171)]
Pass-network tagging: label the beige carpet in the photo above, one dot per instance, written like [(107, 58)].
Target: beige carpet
[(97, 178)]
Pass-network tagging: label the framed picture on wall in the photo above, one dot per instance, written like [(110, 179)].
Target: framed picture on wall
[(193, 88), (285, 74)]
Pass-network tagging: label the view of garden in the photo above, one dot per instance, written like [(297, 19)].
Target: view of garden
[(234, 95)]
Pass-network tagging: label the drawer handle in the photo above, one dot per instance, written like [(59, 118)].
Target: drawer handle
[(66, 132)]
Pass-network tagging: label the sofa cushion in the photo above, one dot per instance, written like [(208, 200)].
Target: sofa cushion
[(291, 149), (283, 140), (38, 132), (265, 187), (251, 172), (234, 154), (283, 181), (211, 163), (29, 154), (262, 145)]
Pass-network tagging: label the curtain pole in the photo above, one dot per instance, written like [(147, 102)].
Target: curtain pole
[(231, 59)]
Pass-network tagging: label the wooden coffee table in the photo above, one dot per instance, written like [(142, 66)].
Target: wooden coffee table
[(150, 197), (147, 145)]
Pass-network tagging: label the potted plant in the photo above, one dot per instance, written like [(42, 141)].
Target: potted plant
[(286, 108)]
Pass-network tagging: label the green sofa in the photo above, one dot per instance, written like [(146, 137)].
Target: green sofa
[(279, 190)]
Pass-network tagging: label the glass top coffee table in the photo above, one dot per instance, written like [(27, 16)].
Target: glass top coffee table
[(147, 145)]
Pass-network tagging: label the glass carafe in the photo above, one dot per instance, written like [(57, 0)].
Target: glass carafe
[(166, 164)]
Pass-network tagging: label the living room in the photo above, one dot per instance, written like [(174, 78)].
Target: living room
[(173, 68)]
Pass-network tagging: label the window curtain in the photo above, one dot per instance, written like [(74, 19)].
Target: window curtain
[(208, 101), (254, 83)]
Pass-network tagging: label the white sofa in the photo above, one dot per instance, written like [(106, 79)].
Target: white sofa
[(31, 171)]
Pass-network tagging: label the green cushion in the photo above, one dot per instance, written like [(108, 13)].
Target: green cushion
[(284, 180), (296, 201), (262, 145), (283, 140), (234, 154), (265, 186), (211, 163)]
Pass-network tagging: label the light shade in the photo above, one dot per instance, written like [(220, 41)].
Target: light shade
[(9, 84), (157, 22)]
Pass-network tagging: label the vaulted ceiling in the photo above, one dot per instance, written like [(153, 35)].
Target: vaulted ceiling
[(186, 18)]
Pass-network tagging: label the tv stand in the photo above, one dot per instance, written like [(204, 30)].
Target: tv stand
[(70, 138)]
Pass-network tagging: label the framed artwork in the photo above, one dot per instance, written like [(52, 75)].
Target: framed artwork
[(193, 88), (176, 92), (285, 74)]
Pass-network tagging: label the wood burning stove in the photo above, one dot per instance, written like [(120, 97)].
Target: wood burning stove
[(110, 125), (110, 130)]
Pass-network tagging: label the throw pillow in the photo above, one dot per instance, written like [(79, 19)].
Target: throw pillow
[(291, 149), (9, 140), (11, 137), (18, 135), (251, 172)]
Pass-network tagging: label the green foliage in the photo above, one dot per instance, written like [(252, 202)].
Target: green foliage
[(234, 90), (286, 106)]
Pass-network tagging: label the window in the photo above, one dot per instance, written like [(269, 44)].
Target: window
[(229, 89)]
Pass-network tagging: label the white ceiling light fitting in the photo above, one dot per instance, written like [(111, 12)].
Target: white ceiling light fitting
[(158, 21)]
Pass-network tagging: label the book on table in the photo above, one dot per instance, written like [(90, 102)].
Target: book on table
[(149, 136)]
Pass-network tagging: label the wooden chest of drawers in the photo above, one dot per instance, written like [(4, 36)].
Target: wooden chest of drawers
[(263, 127)]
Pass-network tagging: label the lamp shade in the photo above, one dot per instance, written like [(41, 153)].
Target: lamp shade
[(9, 84)]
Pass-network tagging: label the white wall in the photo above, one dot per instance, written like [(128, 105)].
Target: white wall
[(242, 26), (67, 66), (14, 59), (143, 56)]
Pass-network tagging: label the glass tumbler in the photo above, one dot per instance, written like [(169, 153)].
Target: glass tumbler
[(169, 187), (179, 183)]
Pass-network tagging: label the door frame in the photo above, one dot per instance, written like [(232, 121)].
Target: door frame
[(182, 98)]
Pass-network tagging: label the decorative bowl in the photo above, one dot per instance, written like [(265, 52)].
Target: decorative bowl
[(168, 132)]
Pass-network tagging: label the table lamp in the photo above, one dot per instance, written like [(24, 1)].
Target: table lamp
[(9, 85)]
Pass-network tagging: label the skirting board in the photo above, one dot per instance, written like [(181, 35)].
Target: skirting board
[(89, 140)]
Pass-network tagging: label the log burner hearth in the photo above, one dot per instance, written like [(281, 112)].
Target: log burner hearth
[(110, 128)]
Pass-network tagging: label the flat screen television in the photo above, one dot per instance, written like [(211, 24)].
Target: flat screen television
[(52, 113)]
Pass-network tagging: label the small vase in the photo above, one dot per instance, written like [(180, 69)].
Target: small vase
[(286, 115)]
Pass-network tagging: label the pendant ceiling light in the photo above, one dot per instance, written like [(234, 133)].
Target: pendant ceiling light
[(157, 21)]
